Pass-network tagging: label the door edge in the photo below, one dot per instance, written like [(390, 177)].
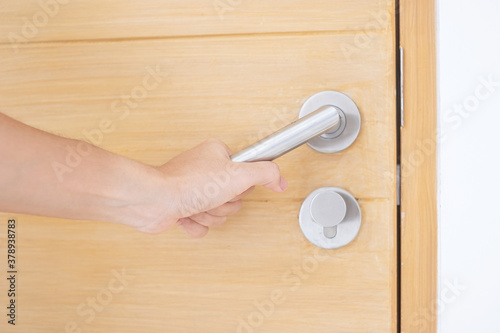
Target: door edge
[(418, 237)]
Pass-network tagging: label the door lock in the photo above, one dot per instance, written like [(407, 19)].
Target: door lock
[(330, 217)]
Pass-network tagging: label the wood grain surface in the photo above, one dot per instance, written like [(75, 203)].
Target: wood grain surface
[(199, 77), (419, 306), (68, 20)]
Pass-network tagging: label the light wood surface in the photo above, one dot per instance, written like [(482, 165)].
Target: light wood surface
[(93, 19), (418, 156), (237, 88)]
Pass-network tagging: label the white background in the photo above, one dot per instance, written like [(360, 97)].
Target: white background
[(469, 166)]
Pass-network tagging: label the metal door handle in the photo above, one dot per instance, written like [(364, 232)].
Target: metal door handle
[(329, 122), (291, 136)]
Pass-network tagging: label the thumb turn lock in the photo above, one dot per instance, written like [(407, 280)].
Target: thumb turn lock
[(328, 209), (330, 217)]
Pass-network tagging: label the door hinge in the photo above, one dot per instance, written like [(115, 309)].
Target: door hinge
[(398, 184), (401, 86)]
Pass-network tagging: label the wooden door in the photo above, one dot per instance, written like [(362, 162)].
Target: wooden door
[(150, 79)]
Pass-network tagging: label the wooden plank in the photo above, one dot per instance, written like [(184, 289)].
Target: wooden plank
[(245, 88), (418, 156), (62, 20), (237, 88), (209, 285)]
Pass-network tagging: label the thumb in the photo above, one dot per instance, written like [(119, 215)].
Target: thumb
[(266, 174)]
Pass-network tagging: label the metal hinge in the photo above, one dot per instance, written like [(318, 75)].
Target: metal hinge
[(398, 184), (401, 90)]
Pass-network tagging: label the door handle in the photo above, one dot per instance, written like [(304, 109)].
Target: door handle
[(328, 121), (290, 137)]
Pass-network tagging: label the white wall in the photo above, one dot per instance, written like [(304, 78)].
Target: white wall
[(469, 166)]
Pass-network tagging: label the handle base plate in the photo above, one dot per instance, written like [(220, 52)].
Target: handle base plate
[(350, 121)]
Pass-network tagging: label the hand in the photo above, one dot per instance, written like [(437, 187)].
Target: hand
[(72, 179), (206, 187)]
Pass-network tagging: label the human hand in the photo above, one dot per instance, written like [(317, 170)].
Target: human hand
[(66, 178), (205, 186)]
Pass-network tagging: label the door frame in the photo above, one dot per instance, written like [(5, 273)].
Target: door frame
[(418, 144)]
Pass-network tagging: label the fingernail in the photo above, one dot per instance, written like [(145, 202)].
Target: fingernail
[(284, 184)]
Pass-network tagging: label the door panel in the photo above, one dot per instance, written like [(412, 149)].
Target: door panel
[(257, 273), (93, 19)]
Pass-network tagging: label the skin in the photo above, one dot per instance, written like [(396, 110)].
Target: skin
[(196, 190)]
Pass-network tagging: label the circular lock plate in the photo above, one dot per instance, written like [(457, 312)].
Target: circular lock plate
[(350, 121), (346, 230)]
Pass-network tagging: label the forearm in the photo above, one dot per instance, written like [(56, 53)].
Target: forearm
[(43, 174)]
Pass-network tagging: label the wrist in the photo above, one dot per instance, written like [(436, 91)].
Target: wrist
[(147, 198), (117, 189)]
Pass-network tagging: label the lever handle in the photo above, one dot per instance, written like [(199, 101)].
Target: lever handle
[(291, 136)]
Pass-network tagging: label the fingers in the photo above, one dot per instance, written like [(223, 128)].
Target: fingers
[(208, 220), (192, 228), (226, 209), (209, 167), (266, 174), (197, 225)]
